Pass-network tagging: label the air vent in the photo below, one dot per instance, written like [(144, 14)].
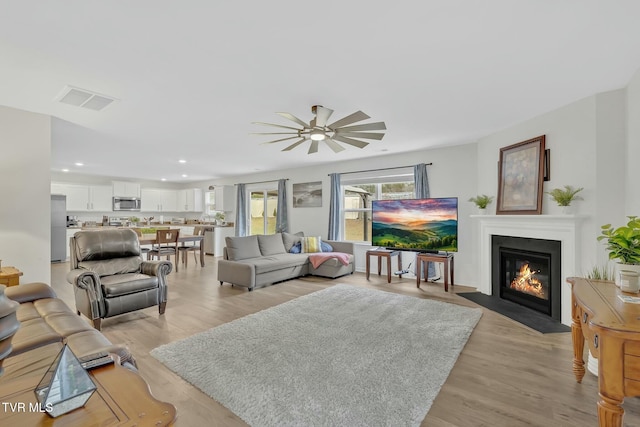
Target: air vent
[(84, 98)]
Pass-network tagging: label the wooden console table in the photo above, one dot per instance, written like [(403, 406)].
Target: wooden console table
[(612, 332), (10, 276), (446, 259), (381, 253), (122, 398)]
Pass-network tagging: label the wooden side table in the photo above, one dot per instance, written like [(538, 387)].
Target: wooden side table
[(384, 254), (10, 276), (446, 259)]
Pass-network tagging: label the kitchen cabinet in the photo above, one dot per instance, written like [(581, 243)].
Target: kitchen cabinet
[(190, 200), (159, 200), (126, 189), (225, 198), (85, 198)]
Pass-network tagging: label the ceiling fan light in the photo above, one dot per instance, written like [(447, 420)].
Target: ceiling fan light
[(317, 135)]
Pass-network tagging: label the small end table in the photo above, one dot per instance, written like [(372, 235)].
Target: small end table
[(10, 276), (381, 253), (446, 259)]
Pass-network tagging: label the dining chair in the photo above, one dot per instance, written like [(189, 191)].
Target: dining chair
[(143, 250), (166, 245), (192, 247)]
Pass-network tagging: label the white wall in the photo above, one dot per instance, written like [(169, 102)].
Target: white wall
[(633, 145), (25, 207)]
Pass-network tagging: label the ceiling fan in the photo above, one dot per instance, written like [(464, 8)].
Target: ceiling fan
[(318, 130)]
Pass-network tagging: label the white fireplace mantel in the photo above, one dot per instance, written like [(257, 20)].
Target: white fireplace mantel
[(564, 228)]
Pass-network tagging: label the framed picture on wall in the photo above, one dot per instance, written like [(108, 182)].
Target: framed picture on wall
[(307, 195), (520, 177)]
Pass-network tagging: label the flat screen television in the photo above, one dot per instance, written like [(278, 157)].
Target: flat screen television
[(423, 225)]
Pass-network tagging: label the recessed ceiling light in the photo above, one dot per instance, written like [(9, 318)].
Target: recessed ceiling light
[(79, 164), (65, 170), (184, 175), (163, 179), (182, 161)]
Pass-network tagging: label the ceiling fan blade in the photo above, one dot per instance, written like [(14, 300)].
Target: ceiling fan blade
[(366, 126), (350, 141), (294, 145), (352, 118), (274, 133), (334, 145), (366, 135), (313, 148), (322, 115), (294, 119), (271, 124), (278, 140)]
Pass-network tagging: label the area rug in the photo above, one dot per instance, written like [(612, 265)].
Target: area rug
[(343, 356), (528, 317)]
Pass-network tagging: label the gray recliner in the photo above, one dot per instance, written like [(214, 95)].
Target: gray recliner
[(110, 277)]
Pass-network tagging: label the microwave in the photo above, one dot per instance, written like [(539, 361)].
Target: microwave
[(126, 203)]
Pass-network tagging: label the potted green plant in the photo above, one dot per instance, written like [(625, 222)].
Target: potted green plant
[(623, 244), (481, 202), (219, 217), (564, 196)]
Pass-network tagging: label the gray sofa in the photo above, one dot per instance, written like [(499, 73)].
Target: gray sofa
[(254, 261)]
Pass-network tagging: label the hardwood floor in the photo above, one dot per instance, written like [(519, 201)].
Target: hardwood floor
[(507, 375)]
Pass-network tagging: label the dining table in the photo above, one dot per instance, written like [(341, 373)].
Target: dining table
[(150, 239)]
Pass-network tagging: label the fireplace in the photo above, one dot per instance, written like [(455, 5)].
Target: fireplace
[(527, 271)]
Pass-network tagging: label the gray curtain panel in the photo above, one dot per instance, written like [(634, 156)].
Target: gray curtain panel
[(282, 215), (421, 186), (335, 207), (241, 211)]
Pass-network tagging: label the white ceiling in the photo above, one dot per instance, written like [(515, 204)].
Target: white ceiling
[(191, 76)]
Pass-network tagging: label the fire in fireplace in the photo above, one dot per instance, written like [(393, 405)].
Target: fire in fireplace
[(527, 271), (526, 282)]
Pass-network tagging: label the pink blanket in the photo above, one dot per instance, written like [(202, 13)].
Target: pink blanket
[(320, 257)]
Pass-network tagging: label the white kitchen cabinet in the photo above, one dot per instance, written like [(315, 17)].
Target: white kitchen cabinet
[(159, 200), (126, 189), (225, 198), (85, 198), (190, 200)]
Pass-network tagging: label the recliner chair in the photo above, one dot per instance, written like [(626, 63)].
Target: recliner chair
[(110, 277)]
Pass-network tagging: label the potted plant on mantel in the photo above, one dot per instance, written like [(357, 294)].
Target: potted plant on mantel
[(564, 196), (623, 244), (481, 202)]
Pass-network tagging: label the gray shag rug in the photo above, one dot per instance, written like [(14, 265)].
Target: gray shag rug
[(343, 356)]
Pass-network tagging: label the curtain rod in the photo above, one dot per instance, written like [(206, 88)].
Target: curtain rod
[(261, 182), (381, 169)]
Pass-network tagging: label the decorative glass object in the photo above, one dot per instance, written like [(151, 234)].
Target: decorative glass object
[(66, 385)]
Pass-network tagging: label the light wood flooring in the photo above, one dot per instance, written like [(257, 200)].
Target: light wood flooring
[(507, 375)]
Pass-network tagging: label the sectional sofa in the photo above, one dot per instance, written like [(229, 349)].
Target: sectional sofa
[(255, 261)]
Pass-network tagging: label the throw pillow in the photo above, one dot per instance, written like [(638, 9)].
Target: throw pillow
[(311, 244), (296, 249), (291, 239), (326, 247)]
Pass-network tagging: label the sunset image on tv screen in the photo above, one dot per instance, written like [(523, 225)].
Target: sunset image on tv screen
[(416, 224)]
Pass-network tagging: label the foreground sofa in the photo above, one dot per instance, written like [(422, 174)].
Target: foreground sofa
[(255, 261), (110, 277), (46, 324)]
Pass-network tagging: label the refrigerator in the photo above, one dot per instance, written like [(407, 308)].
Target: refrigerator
[(58, 228)]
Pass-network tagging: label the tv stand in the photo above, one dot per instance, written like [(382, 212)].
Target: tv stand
[(446, 259)]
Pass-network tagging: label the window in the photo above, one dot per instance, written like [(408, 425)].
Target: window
[(262, 210), (210, 203), (357, 198)]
